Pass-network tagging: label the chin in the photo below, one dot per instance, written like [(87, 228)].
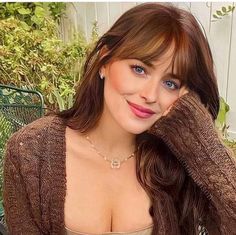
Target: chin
[(135, 129)]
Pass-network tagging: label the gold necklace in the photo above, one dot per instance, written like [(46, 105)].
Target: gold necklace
[(115, 163)]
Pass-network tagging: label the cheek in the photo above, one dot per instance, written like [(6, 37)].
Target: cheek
[(120, 80), (116, 83), (167, 99)]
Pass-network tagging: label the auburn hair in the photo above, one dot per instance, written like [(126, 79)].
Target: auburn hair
[(146, 32)]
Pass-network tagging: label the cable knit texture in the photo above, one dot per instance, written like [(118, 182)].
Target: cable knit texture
[(35, 174), (189, 132)]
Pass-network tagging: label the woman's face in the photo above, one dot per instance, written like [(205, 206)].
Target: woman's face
[(130, 86)]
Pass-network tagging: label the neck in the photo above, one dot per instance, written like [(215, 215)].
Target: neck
[(111, 140)]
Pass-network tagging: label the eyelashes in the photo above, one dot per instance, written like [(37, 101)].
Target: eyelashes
[(175, 85), (140, 70), (137, 68)]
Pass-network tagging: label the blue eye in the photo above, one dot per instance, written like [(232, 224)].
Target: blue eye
[(138, 69), (172, 85)]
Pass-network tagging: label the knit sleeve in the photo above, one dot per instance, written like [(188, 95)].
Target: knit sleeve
[(189, 132), (18, 215)]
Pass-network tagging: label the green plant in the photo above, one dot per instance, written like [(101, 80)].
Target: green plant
[(221, 124), (221, 118), (57, 10), (33, 13), (33, 56), (38, 59), (219, 14), (94, 35)]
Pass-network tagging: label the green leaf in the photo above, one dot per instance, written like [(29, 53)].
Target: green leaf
[(36, 20), (25, 26), (229, 7), (24, 11), (233, 8), (70, 100), (227, 108), (215, 16), (44, 84), (38, 3), (224, 108), (50, 99), (219, 13), (11, 8), (44, 68), (224, 9), (39, 12), (60, 101)]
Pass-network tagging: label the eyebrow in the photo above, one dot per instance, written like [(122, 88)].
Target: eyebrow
[(174, 76), (149, 64), (152, 66)]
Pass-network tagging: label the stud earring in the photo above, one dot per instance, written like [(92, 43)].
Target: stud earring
[(101, 76)]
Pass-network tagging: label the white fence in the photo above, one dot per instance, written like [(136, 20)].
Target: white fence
[(220, 33)]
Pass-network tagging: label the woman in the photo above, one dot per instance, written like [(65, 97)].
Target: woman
[(138, 152)]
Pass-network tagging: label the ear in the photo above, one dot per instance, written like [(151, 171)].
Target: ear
[(102, 71), (103, 52)]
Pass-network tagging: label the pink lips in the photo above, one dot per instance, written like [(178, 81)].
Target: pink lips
[(141, 111)]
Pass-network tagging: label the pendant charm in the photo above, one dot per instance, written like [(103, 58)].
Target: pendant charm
[(115, 163)]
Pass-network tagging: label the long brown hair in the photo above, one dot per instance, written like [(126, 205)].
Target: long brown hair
[(145, 32)]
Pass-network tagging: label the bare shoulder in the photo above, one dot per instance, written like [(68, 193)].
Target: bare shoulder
[(75, 141), (71, 133)]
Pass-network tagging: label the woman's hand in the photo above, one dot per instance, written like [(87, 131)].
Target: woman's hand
[(183, 90)]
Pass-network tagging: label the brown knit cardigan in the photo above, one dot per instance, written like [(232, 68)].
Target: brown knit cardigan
[(35, 174)]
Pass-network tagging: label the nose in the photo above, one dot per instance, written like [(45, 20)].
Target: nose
[(150, 91)]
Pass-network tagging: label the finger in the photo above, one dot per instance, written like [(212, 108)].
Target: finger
[(167, 111), (183, 90)]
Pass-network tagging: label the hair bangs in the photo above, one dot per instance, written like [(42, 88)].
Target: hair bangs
[(183, 58), (146, 47)]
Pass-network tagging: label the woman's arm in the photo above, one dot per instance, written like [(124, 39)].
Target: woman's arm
[(189, 132), (16, 203)]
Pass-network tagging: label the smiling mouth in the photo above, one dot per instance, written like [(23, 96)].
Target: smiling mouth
[(141, 113)]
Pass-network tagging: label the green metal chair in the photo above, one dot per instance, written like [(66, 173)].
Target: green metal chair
[(18, 107)]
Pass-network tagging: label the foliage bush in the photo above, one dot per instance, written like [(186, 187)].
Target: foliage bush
[(33, 56), (33, 13)]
